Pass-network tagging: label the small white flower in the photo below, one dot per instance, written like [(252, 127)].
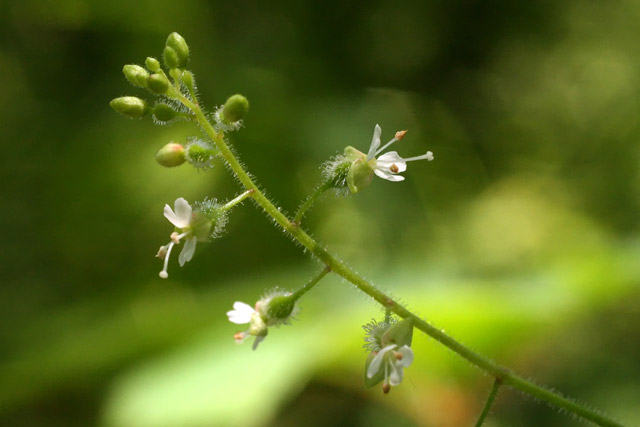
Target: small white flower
[(182, 219), (243, 313), (389, 165), (393, 362)]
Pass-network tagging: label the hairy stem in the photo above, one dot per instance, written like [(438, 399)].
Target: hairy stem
[(487, 406), (311, 200), (310, 284), (340, 268)]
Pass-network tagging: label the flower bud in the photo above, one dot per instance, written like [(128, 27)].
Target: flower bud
[(130, 106), (360, 172), (164, 113), (235, 108), (136, 75), (152, 64), (277, 307), (179, 48), (158, 84), (171, 155), (200, 154), (170, 58)]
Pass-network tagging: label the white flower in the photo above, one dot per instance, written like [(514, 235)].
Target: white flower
[(388, 165), (182, 219), (243, 313), (393, 362)]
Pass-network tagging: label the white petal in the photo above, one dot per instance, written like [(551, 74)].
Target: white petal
[(168, 213), (407, 356), (391, 158), (388, 176), (187, 251), (395, 377), (375, 142), (183, 212), (376, 362), (241, 313)]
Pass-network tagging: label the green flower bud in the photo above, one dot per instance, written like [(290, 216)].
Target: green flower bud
[(158, 84), (210, 220), (130, 106), (277, 307), (235, 108), (164, 113), (170, 58), (400, 333), (200, 154), (152, 64), (189, 80), (171, 155), (179, 46), (360, 172), (136, 75)]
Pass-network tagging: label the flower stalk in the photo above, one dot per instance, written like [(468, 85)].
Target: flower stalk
[(487, 406)]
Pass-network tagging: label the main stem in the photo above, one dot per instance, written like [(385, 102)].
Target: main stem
[(338, 267)]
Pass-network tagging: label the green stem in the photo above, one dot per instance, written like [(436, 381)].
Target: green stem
[(231, 203), (311, 200), (310, 284), (338, 267), (487, 406)]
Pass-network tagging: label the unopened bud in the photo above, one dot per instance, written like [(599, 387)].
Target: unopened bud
[(170, 58), (400, 134), (164, 113), (158, 83), (177, 44), (171, 155), (280, 307), (152, 64), (130, 106), (235, 108), (136, 75)]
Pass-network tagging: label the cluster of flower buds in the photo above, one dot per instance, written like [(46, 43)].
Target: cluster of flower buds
[(389, 343), (276, 308), (354, 170)]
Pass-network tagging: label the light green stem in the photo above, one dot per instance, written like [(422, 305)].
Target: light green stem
[(487, 406), (231, 203), (310, 284), (341, 269)]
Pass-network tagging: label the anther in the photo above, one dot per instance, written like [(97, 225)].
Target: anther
[(400, 134), (394, 168)]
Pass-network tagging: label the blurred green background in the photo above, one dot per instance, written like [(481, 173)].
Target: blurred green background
[(522, 238)]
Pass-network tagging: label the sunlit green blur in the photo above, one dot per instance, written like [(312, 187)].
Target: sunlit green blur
[(521, 239)]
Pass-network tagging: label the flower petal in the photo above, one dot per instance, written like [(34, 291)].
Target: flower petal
[(183, 212), (389, 159), (396, 375), (388, 176), (375, 364), (407, 356), (168, 213), (241, 313), (375, 142), (187, 251)]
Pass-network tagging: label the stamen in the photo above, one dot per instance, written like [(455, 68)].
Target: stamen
[(428, 156), (163, 274), (400, 134), (174, 237), (239, 336), (386, 388), (385, 146), (398, 355), (394, 168)]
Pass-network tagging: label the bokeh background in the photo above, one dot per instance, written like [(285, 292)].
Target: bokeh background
[(522, 238)]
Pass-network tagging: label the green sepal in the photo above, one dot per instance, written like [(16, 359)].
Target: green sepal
[(170, 57), (280, 307), (379, 376), (360, 175), (164, 113), (158, 83), (152, 64), (401, 333), (130, 106), (179, 46), (136, 75)]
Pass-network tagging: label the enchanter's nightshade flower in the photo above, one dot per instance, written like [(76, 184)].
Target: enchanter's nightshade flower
[(243, 313), (386, 166), (189, 226), (392, 362)]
